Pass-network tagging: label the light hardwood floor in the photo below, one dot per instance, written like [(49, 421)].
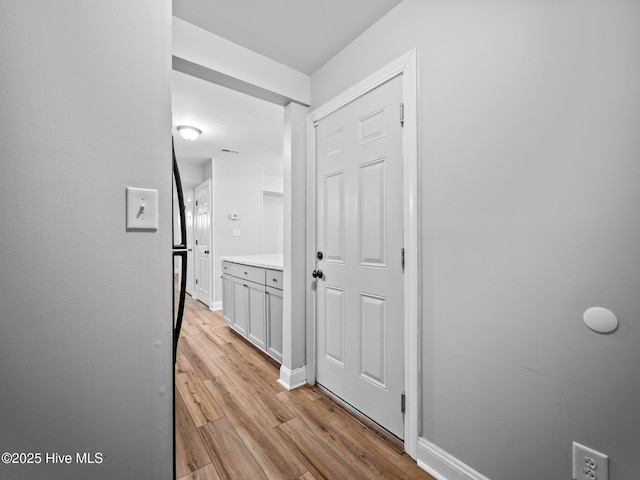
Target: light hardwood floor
[(234, 421)]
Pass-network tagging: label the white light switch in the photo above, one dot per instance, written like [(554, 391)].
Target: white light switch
[(236, 232), (142, 209)]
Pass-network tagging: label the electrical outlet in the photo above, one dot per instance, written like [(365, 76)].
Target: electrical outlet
[(589, 464)]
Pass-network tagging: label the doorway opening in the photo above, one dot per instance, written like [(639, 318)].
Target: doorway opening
[(232, 178)]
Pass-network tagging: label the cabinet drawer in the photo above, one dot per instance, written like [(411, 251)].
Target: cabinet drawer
[(274, 279), (226, 267), (253, 274)]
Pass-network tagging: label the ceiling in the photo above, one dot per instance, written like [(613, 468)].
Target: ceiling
[(228, 120), (303, 34)]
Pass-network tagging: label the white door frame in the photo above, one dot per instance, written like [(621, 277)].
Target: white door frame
[(407, 66)]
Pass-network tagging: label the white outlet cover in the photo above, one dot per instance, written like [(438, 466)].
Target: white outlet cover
[(142, 209), (236, 232), (582, 455)]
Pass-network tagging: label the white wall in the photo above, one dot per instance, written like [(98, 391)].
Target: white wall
[(295, 284), (249, 71), (85, 307), (530, 192), (272, 223), (237, 188), (191, 174), (273, 207), (189, 205)]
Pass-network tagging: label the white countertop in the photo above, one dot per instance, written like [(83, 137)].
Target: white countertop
[(273, 261)]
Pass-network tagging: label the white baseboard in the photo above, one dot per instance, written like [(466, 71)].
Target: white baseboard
[(442, 465), (291, 379), (216, 305)]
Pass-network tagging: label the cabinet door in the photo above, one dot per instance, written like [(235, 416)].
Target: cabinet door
[(274, 323), (240, 306), (257, 318), (227, 299)]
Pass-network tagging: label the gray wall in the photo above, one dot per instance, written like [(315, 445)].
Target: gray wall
[(85, 307), (530, 184), (237, 188)]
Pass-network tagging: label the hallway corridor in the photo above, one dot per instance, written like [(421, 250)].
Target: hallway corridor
[(234, 421)]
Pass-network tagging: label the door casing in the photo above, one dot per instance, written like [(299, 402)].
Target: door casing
[(406, 66)]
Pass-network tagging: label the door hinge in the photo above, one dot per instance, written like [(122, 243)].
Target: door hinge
[(402, 114), (402, 258), (196, 242), (196, 281), (196, 203), (403, 401)]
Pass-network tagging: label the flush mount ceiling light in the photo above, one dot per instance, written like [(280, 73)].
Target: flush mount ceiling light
[(189, 133)]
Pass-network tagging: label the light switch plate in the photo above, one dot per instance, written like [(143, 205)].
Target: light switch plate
[(142, 209), (236, 232)]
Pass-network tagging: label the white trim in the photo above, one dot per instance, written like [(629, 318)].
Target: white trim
[(216, 305), (442, 465), (412, 259), (291, 379), (372, 81), (311, 252), (408, 67)]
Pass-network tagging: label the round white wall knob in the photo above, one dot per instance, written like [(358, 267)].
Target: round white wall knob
[(600, 320)]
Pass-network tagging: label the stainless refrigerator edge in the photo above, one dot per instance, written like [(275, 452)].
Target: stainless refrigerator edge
[(179, 253)]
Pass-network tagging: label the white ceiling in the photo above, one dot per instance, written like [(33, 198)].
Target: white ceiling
[(228, 119), (303, 34)]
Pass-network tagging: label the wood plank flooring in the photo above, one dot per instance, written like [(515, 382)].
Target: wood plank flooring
[(234, 421)]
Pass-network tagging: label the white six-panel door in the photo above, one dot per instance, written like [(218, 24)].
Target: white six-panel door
[(359, 230), (203, 243)]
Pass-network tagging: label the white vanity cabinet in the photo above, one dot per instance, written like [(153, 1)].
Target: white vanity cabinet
[(228, 299), (252, 304), (274, 313)]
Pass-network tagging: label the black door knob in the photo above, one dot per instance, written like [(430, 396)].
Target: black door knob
[(319, 256), (316, 274)]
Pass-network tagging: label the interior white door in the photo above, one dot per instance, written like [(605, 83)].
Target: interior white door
[(359, 230), (203, 243)]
